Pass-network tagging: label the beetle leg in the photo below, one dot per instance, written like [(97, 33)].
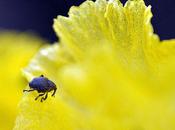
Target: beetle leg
[(54, 91), (28, 90), (44, 98), (39, 96)]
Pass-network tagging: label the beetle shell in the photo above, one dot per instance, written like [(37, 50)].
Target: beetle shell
[(42, 84)]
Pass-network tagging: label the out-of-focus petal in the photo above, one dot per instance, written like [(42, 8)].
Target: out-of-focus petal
[(16, 49)]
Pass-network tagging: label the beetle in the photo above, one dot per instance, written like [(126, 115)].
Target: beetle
[(42, 85)]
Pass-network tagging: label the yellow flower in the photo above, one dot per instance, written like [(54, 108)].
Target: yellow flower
[(15, 51), (111, 70)]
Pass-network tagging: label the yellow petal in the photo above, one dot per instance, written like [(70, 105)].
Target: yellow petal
[(109, 69), (128, 28), (15, 52), (85, 27)]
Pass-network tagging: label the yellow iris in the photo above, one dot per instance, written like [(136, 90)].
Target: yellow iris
[(111, 70)]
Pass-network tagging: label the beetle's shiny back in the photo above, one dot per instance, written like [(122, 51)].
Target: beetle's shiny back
[(40, 84)]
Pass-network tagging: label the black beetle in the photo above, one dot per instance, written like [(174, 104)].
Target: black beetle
[(43, 85)]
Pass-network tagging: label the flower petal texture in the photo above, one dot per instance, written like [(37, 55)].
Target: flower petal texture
[(16, 49), (111, 70)]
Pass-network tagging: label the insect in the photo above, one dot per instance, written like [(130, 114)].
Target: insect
[(42, 85)]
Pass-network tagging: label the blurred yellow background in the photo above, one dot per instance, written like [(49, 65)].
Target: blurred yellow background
[(15, 51)]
